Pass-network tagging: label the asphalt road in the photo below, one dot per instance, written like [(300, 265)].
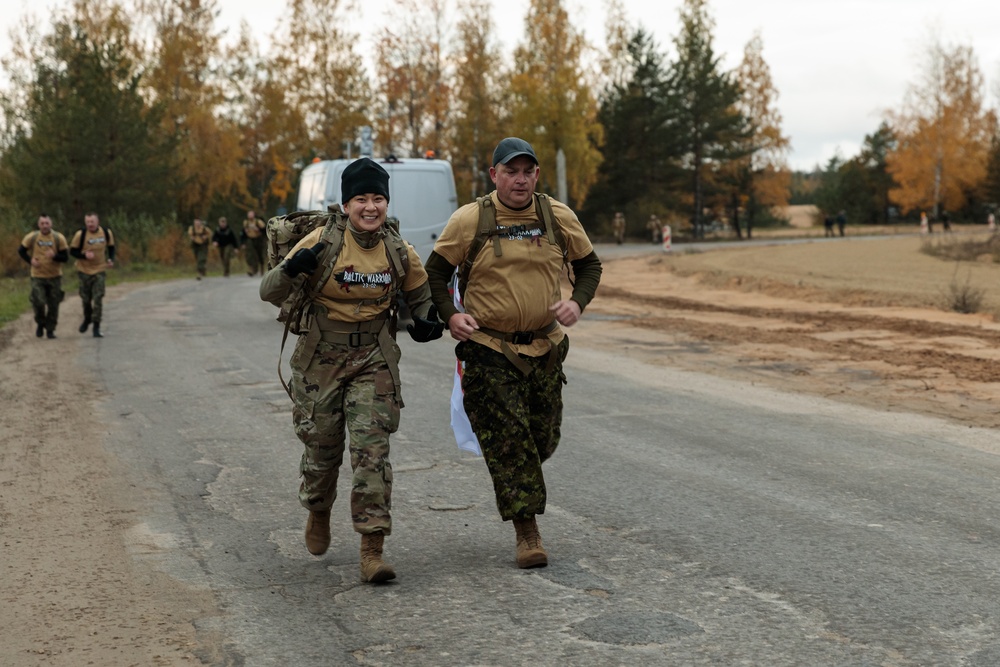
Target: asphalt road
[(690, 521)]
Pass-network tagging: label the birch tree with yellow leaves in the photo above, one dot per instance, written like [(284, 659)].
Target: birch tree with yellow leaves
[(759, 170), (322, 69), (412, 80), (477, 95), (184, 79), (552, 105), (273, 134), (943, 131)]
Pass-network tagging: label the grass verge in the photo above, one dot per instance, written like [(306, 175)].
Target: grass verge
[(15, 292)]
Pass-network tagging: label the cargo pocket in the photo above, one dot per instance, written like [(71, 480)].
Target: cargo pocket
[(386, 401), (303, 415)]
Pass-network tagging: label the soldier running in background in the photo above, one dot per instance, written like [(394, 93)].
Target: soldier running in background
[(655, 228), (225, 240), (254, 241), (46, 251), (200, 236), (618, 227), (94, 250)]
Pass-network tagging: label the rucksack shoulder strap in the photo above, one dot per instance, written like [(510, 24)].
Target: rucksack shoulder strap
[(398, 253), (552, 231), (485, 229), (333, 235)]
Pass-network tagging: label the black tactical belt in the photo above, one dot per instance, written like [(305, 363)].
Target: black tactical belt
[(523, 338)]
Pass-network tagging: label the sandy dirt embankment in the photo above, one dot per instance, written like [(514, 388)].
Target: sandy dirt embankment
[(860, 320)]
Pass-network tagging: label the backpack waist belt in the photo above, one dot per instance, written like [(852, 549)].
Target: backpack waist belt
[(523, 338), (354, 334)]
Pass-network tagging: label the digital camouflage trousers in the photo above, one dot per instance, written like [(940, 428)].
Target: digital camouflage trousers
[(46, 295), (348, 388), (517, 419), (92, 295)]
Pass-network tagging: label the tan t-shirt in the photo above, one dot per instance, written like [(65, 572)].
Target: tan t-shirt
[(253, 228), (39, 245), (96, 242), (200, 237), (360, 273), (513, 292)]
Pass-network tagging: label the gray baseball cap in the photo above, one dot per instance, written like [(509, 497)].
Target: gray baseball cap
[(510, 148)]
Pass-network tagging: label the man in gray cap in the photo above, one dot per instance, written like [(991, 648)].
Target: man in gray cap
[(511, 247)]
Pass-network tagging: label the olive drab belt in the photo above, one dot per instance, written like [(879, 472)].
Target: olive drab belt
[(523, 338)]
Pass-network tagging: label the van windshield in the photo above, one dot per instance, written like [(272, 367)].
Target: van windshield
[(311, 191)]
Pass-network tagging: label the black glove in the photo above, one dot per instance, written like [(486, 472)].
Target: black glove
[(425, 330), (304, 261)]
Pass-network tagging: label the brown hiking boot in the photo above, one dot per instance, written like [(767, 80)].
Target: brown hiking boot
[(373, 568), (318, 532), (530, 552)]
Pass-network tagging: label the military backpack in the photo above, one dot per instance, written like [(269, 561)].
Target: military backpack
[(284, 231)]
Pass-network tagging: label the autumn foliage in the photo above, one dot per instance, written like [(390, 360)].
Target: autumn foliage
[(943, 133)]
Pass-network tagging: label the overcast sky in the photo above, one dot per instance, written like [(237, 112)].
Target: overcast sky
[(837, 64)]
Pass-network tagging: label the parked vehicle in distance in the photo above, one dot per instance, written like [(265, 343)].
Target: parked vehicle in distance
[(421, 195)]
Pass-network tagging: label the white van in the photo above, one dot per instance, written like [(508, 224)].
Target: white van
[(421, 195)]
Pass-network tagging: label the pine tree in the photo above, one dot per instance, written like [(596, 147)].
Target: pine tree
[(85, 141), (703, 105), (638, 174)]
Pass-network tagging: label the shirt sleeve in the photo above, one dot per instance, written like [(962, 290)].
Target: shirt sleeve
[(578, 244), (456, 238), (416, 275)]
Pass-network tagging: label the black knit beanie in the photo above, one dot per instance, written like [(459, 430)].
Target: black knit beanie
[(363, 176)]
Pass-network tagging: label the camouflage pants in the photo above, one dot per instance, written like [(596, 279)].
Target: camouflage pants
[(255, 255), (200, 256), (92, 295), (517, 420), (346, 387), (46, 295)]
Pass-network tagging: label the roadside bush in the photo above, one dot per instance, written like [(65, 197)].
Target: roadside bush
[(171, 247), (962, 297), (13, 227), (134, 235)]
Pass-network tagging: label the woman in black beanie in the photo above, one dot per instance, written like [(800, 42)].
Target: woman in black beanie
[(345, 368)]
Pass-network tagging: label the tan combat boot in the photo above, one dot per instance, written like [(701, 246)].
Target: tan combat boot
[(530, 552), (318, 532), (373, 568)]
